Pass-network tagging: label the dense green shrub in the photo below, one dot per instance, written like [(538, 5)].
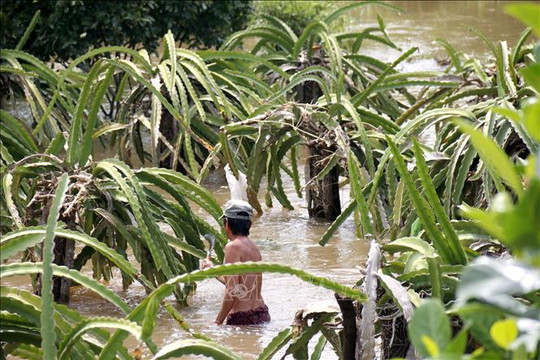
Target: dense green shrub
[(296, 14), (67, 29)]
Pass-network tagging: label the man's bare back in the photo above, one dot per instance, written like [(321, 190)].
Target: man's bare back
[(242, 292), (243, 303)]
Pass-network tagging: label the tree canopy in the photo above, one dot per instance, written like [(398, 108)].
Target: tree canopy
[(67, 29)]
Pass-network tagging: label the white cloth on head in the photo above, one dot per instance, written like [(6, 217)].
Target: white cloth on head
[(237, 187)]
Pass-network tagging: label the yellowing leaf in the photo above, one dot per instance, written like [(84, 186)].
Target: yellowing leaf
[(476, 353), (504, 332), (431, 346)]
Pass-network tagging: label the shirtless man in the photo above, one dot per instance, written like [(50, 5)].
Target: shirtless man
[(242, 303)]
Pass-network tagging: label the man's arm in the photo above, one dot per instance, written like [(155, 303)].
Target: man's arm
[(231, 256), (228, 301), (207, 263)]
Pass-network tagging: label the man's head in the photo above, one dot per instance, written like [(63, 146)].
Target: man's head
[(237, 217)]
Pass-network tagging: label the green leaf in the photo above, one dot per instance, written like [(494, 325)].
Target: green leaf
[(299, 343), (484, 220), (327, 168), (280, 340), (313, 27), (27, 268), (248, 267), (458, 344), (167, 288), (514, 225), (74, 150), (7, 183), (107, 128), (423, 210), (357, 194), (129, 68), (170, 53), (422, 121), (410, 244), (345, 213), (531, 74), (363, 135), (196, 347), (496, 282), (516, 51), (278, 190), (479, 318), (19, 240), (28, 30), (294, 170), (47, 314), (185, 247), (102, 87), (319, 347), (398, 293), (210, 55), (29, 306), (151, 234), (359, 99), (205, 78), (493, 155), (150, 317), (279, 23), (531, 114), (452, 53), (429, 320), (461, 177), (16, 126), (452, 241), (299, 80), (190, 190), (529, 14), (435, 276), (94, 323), (56, 145)]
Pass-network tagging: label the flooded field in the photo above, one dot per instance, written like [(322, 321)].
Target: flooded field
[(290, 237)]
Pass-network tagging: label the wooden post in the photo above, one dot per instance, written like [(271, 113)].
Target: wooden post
[(348, 313), (322, 195), (64, 252), (169, 128)]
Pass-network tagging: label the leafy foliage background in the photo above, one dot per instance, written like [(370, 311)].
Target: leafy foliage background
[(67, 29)]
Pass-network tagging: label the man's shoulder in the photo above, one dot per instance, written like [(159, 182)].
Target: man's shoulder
[(241, 246), (234, 246)]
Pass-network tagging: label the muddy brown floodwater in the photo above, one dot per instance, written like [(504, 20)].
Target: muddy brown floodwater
[(286, 237), (290, 237), (424, 21)]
